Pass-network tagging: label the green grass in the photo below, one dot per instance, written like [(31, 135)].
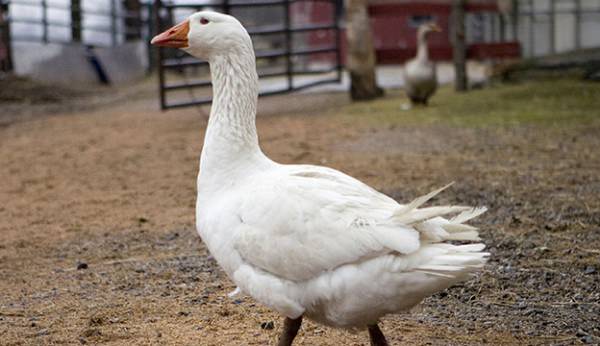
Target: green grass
[(559, 101)]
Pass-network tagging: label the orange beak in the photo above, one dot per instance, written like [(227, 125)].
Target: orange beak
[(436, 28), (176, 37)]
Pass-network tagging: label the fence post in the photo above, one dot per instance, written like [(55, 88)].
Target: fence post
[(133, 23), (502, 20), (493, 28), (288, 45), (76, 20), (531, 29), (515, 20), (113, 22), (151, 31), (45, 21), (458, 45), (159, 55), (7, 65), (339, 8), (552, 26), (578, 24), (226, 7)]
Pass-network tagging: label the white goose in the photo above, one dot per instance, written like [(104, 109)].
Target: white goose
[(420, 77), (308, 240)]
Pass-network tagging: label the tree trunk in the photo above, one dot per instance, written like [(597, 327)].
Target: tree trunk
[(361, 53), (458, 43)]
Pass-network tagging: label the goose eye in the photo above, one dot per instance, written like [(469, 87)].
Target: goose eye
[(204, 21)]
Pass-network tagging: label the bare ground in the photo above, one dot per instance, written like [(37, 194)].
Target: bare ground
[(99, 246)]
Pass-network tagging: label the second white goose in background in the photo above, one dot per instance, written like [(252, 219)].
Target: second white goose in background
[(308, 240), (420, 77)]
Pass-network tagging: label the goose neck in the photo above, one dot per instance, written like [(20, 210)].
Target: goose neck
[(422, 49), (231, 133)]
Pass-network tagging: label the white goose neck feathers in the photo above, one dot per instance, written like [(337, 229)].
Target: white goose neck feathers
[(231, 139)]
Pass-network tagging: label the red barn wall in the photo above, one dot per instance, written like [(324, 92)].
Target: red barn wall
[(393, 35)]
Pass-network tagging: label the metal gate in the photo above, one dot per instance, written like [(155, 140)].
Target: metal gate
[(292, 53), (5, 54)]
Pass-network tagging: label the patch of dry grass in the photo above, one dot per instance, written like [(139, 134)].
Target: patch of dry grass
[(561, 101)]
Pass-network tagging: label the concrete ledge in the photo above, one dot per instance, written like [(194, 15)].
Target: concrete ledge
[(68, 64)]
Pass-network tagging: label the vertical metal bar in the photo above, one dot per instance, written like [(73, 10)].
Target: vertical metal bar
[(515, 20), (531, 29), (493, 28), (5, 36), (552, 26), (159, 59), (288, 45), (226, 7), (113, 22), (502, 19), (578, 24), (149, 34), (338, 7), (133, 19), (76, 20), (44, 21)]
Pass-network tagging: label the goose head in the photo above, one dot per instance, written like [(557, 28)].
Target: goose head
[(426, 28), (207, 34)]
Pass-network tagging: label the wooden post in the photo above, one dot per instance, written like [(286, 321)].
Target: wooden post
[(76, 20), (133, 23), (7, 62), (458, 45), (361, 52)]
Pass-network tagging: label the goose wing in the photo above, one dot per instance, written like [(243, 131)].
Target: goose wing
[(300, 221)]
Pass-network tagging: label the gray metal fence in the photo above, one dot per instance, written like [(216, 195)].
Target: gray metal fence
[(548, 27), (89, 22), (545, 27), (108, 22), (285, 61), (5, 46)]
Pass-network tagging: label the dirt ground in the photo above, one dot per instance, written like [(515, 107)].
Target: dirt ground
[(98, 244)]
